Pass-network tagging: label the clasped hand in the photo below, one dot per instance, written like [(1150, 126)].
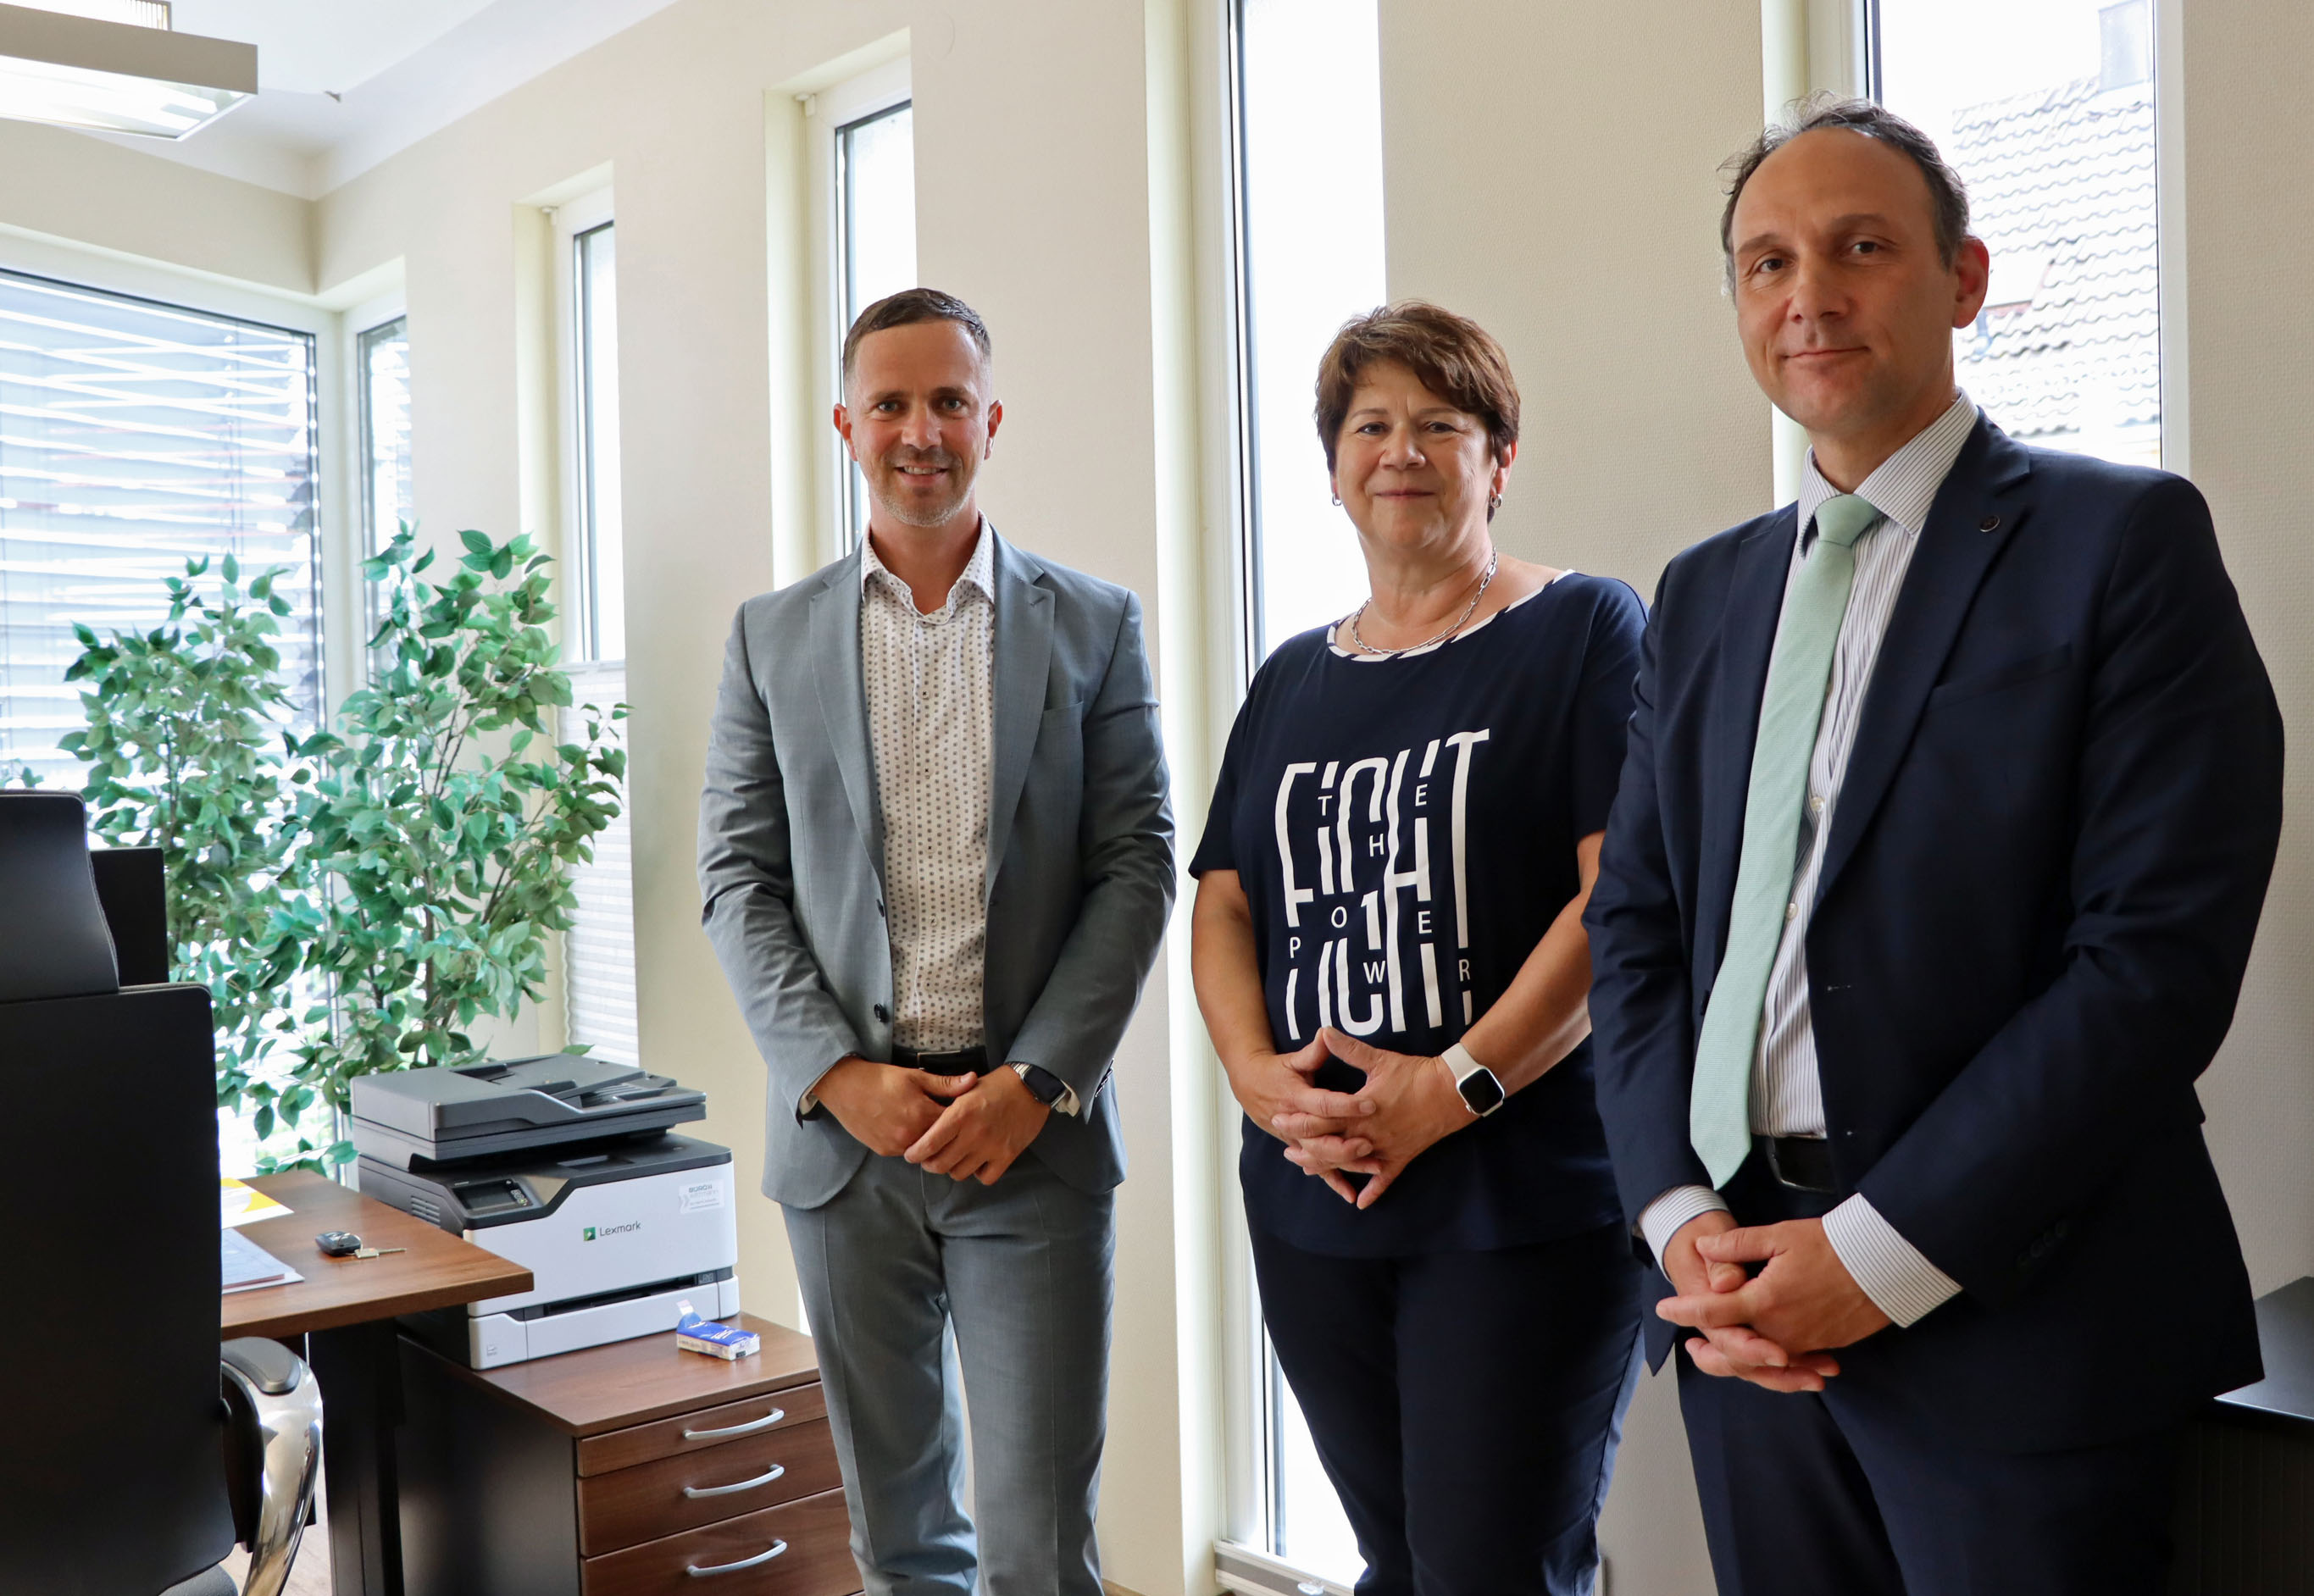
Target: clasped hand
[(968, 1127), (1775, 1328), (1408, 1104)]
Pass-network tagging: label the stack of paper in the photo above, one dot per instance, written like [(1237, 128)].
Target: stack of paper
[(246, 1265)]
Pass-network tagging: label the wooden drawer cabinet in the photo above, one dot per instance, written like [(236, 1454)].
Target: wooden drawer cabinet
[(694, 1488), (804, 1551), (696, 1432), (623, 1470)]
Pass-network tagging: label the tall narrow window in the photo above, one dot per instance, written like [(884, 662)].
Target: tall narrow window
[(2046, 109), (135, 436), (601, 541), (381, 359), (875, 237), (1309, 255), (599, 949)]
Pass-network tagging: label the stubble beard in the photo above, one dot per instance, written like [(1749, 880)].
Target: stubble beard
[(885, 485)]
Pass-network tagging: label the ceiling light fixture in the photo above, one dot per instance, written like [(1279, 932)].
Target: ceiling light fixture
[(116, 67)]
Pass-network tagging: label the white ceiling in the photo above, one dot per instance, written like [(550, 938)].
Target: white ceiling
[(345, 84)]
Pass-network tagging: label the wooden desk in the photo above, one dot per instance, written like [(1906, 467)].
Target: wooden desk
[(345, 1309)]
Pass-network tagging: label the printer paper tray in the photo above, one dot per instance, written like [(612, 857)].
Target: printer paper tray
[(489, 1341)]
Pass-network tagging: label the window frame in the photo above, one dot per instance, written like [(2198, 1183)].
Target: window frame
[(1251, 1387), (339, 576), (360, 323), (571, 221), (830, 112)]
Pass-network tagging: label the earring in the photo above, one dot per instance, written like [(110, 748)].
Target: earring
[(1338, 499), (1494, 503)]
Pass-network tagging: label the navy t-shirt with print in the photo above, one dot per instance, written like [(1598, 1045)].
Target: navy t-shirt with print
[(1405, 830)]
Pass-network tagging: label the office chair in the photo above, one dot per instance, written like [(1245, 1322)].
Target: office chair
[(137, 1449)]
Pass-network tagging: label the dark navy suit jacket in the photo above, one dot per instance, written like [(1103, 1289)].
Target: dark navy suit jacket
[(2044, 875)]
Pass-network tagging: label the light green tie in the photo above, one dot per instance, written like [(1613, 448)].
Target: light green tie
[(1719, 1109)]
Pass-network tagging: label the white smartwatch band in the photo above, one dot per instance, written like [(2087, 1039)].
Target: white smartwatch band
[(1462, 1066)]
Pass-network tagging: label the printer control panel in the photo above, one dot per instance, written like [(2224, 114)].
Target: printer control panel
[(487, 1198)]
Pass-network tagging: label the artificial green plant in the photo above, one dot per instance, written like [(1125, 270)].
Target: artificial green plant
[(443, 819), (186, 753)]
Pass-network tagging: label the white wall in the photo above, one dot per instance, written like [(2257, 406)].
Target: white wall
[(1550, 169)]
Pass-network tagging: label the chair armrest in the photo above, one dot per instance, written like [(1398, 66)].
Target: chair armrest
[(268, 1365), (274, 1444)]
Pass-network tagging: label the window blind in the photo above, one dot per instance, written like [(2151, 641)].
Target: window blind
[(599, 949), (135, 436)]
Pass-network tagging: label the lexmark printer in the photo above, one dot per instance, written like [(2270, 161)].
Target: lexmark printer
[(565, 1165)]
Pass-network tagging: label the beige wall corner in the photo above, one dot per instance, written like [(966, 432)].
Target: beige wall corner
[(65, 185)]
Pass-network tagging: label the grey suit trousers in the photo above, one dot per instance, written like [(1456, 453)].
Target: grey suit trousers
[(1022, 1271)]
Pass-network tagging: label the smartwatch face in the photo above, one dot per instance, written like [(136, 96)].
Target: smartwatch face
[(1482, 1092)]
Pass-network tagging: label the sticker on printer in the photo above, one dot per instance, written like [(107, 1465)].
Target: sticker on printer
[(700, 1196)]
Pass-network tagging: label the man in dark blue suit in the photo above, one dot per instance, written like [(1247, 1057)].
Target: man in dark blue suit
[(1952, 793)]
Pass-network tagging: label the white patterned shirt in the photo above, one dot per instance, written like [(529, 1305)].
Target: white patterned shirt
[(1787, 1088), (932, 729)]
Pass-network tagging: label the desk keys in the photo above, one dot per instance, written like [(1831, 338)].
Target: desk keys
[(345, 1244)]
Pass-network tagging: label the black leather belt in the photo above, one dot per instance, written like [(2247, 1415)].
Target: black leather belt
[(964, 1060), (1803, 1163)]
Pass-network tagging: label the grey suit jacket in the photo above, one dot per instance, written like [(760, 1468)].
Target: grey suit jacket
[(1081, 859)]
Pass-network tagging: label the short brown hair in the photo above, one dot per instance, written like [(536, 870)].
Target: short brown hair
[(1947, 196), (1452, 355), (906, 308)]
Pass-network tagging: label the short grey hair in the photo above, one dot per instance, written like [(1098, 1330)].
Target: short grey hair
[(1948, 195)]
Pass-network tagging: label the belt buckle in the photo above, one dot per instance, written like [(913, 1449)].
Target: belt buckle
[(1776, 1167)]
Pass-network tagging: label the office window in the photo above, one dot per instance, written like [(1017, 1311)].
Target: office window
[(135, 436), (1309, 257), (382, 400), (601, 544), (599, 949), (1308, 241), (598, 952), (384, 354), (875, 239), (2046, 109)]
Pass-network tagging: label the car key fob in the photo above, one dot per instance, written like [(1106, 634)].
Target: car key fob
[(338, 1244)]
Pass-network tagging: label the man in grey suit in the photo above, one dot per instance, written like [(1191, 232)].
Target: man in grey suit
[(936, 853)]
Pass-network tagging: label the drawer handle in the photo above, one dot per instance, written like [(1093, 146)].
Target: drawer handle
[(749, 1428), (696, 1492), (696, 1572)]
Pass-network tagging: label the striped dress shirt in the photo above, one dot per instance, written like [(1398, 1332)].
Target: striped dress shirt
[(1787, 1088)]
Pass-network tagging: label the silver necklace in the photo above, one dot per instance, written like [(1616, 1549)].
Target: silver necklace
[(1494, 558)]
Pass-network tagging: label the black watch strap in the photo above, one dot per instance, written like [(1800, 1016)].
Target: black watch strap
[(1043, 1085)]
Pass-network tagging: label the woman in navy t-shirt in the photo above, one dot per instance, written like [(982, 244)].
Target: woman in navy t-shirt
[(1389, 953)]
